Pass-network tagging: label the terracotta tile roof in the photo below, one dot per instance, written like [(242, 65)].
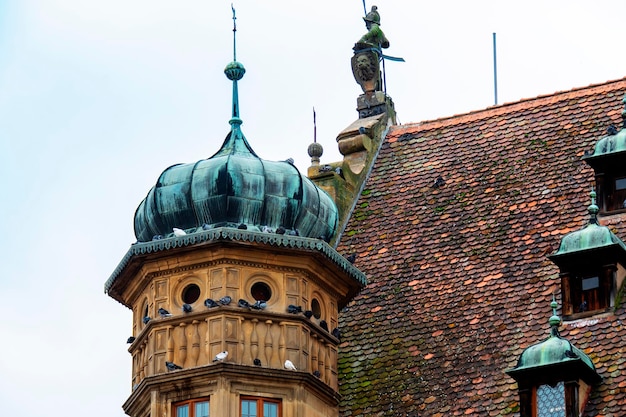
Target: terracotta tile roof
[(459, 279)]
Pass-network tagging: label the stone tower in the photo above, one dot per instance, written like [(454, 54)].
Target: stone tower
[(234, 289)]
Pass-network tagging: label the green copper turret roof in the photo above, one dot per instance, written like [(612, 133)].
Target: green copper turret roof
[(555, 353), (591, 237), (613, 143), (235, 188)]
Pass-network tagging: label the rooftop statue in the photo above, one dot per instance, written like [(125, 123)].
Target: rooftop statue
[(368, 53), (374, 38)]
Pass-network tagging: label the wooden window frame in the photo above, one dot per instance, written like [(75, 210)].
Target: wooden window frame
[(598, 300), (260, 401), (191, 404), (610, 199)]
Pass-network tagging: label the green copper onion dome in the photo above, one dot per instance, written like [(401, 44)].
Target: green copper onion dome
[(235, 188), (231, 188)]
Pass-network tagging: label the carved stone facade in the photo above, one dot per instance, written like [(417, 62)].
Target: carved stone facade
[(291, 276)]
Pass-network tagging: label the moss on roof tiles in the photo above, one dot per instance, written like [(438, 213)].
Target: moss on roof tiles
[(462, 287)]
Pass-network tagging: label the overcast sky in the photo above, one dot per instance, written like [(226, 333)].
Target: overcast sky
[(97, 98)]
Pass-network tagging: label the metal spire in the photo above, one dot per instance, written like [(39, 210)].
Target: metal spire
[(555, 320), (234, 72), (314, 127), (234, 33), (593, 209)]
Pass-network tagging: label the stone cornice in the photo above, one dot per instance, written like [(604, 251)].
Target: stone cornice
[(230, 234)]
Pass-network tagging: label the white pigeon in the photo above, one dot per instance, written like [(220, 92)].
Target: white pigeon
[(289, 365), (221, 356), (178, 232)]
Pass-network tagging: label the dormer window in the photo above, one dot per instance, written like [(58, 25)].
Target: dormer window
[(551, 400), (611, 192), (587, 294), (554, 378), (608, 161), (592, 262)]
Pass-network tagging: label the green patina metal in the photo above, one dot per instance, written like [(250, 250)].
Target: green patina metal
[(554, 353), (591, 237), (610, 146), (235, 187)]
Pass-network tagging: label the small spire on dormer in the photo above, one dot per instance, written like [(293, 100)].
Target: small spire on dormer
[(593, 209), (554, 320)]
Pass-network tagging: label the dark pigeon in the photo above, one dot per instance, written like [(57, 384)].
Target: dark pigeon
[(294, 309), (351, 258), (172, 366), (243, 303), (308, 314), (259, 305), (336, 332), (146, 320), (209, 303), (242, 226), (439, 182), (324, 325), (257, 361), (317, 374), (281, 230), (130, 339), (187, 308), (164, 313), (225, 300)]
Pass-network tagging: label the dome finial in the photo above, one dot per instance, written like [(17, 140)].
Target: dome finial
[(315, 149), (234, 72), (593, 208), (555, 320)]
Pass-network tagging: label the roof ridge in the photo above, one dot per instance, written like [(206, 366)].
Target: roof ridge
[(509, 107)]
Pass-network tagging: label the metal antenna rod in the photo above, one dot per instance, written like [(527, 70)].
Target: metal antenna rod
[(495, 71), (364, 8)]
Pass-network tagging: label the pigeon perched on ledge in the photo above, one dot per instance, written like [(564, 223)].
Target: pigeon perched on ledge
[(289, 365), (172, 366), (220, 357), (209, 303), (164, 313), (294, 309)]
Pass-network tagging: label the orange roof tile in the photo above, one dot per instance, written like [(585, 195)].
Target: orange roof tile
[(459, 279)]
